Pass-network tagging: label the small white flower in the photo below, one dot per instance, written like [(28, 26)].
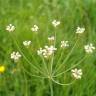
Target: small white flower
[(64, 44), (10, 28), (80, 30), (50, 50), (89, 48), (40, 51), (55, 23), (35, 28), (77, 73), (26, 43), (15, 56), (52, 38), (47, 51)]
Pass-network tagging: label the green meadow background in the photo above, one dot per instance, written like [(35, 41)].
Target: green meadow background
[(23, 14)]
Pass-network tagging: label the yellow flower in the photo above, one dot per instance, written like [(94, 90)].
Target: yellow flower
[(2, 69)]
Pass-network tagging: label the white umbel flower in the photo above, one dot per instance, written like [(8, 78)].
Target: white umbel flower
[(35, 28), (55, 23), (52, 38), (15, 56), (80, 30), (26, 43), (10, 28), (89, 48), (64, 44), (47, 51), (77, 73)]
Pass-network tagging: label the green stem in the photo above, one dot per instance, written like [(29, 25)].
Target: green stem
[(52, 61), (25, 82), (67, 57), (51, 88)]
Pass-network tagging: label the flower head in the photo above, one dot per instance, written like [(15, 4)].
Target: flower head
[(80, 30), (89, 48), (2, 69), (15, 56), (64, 44), (47, 51), (55, 23), (77, 73), (35, 28), (10, 28), (40, 51), (52, 38), (26, 43)]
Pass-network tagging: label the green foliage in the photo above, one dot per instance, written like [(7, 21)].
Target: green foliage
[(18, 79)]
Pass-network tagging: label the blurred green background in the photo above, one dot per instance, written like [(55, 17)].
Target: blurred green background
[(23, 14)]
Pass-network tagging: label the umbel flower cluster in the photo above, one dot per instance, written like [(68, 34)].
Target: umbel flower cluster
[(49, 50), (26, 43), (15, 56), (64, 44)]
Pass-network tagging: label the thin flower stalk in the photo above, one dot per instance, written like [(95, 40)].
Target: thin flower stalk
[(67, 57)]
